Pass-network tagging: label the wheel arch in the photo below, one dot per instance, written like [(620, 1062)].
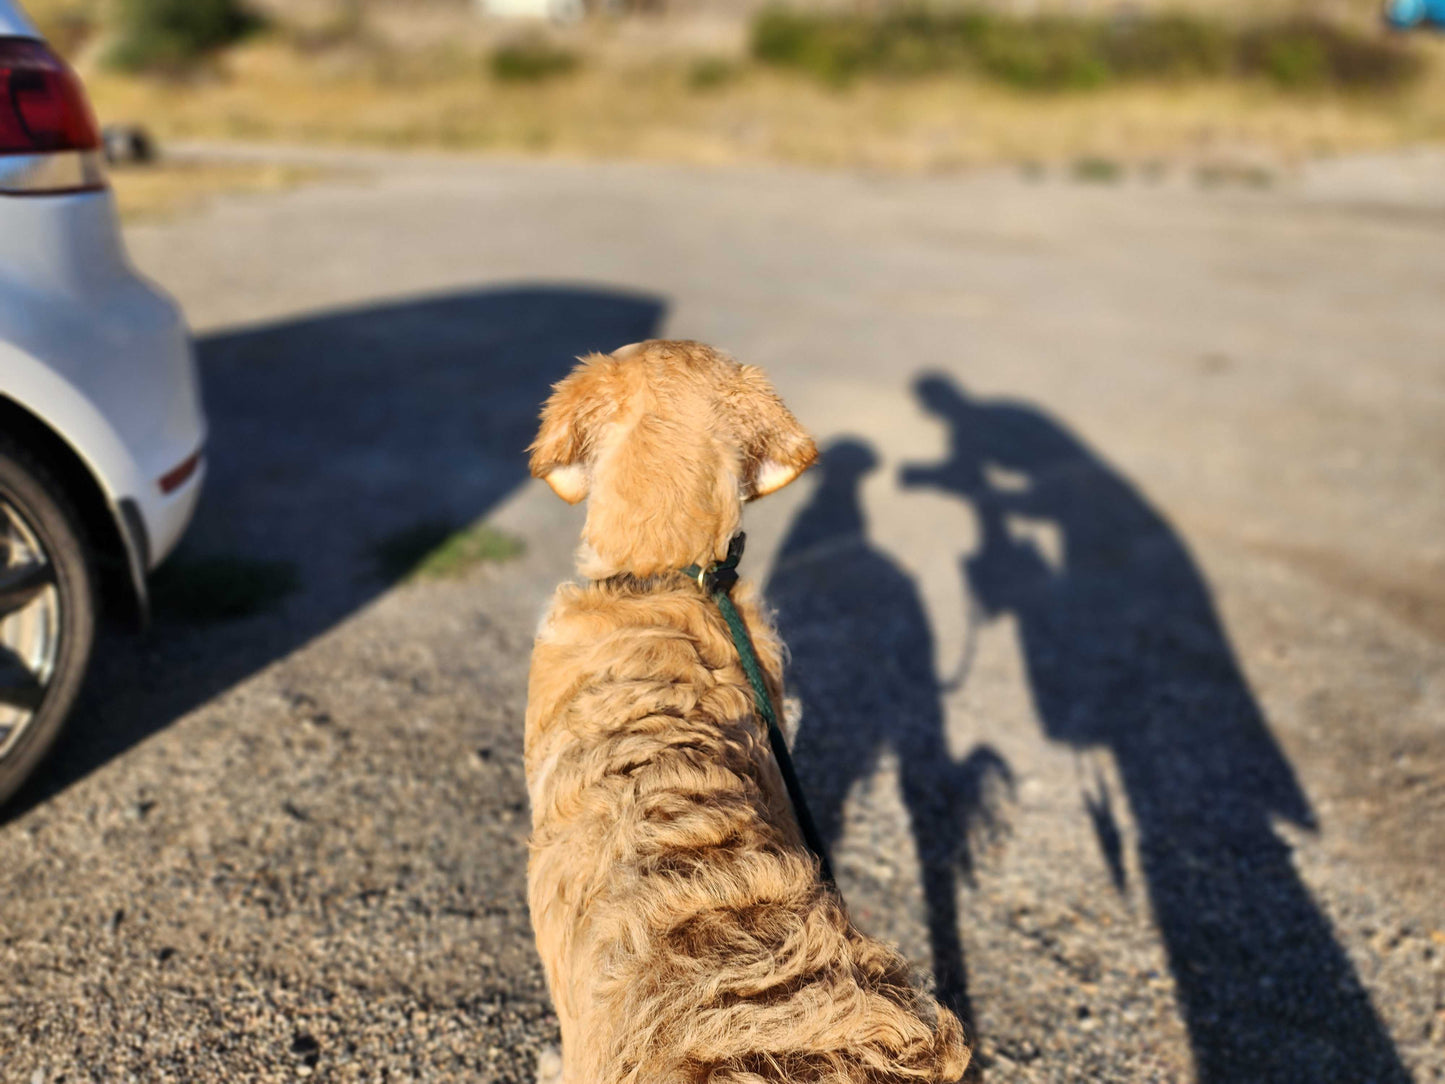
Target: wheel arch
[(117, 538)]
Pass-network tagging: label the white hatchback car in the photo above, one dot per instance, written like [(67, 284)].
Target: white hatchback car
[(101, 425)]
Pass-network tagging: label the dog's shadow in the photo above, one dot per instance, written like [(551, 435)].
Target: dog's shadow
[(862, 663)]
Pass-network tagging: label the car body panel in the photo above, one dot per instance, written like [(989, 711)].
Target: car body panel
[(98, 354), (95, 352)]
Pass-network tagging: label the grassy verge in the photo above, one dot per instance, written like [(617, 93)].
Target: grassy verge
[(1057, 52), (172, 35), (935, 122), (438, 550), (914, 98)]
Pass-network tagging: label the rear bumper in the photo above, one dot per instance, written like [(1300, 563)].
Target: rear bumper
[(102, 356), (166, 520), (149, 541)]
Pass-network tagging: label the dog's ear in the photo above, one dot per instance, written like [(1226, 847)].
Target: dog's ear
[(572, 420), (776, 449)]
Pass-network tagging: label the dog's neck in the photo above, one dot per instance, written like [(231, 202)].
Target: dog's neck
[(710, 576), (642, 562), (660, 496), (625, 583)]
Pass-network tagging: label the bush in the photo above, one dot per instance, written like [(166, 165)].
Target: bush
[(830, 48), (1068, 52), (710, 73), (1310, 54), (439, 550), (174, 34), (1174, 45), (532, 61), (1098, 170), (1048, 53)]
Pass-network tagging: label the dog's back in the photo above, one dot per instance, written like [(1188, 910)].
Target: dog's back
[(682, 922)]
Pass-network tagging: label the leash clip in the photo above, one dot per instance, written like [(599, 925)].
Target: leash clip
[(720, 575)]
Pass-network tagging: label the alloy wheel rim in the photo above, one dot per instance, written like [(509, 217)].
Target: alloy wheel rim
[(29, 625)]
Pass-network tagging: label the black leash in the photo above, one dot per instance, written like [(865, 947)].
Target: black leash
[(717, 580)]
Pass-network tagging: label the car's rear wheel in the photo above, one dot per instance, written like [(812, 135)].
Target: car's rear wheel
[(47, 614)]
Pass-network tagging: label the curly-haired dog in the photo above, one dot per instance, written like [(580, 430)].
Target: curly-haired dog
[(687, 936)]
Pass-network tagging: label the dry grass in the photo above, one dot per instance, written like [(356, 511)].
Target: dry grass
[(269, 91), (655, 89), (174, 187)]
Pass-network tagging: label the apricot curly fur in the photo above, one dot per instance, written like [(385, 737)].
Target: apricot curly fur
[(686, 935)]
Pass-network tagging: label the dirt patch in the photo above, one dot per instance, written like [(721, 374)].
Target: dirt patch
[(1415, 595), (170, 187)]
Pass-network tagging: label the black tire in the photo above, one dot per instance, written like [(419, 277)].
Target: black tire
[(47, 513)]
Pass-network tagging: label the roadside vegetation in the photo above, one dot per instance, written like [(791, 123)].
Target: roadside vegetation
[(1061, 52), (173, 35), (439, 550), (531, 60), (909, 89)]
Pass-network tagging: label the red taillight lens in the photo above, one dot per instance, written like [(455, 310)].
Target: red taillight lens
[(173, 479), (42, 104)]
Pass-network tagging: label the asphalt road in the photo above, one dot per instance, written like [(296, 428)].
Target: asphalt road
[(1117, 612)]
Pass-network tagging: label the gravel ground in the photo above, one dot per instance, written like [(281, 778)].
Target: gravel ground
[(1116, 610)]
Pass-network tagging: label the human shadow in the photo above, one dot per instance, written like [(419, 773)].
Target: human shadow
[(1125, 654), (330, 434), (862, 663)]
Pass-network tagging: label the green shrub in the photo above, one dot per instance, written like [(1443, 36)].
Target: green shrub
[(1098, 171), (174, 34), (710, 73), (1051, 52), (1047, 53), (1168, 44), (809, 43), (440, 550), (1311, 54), (1297, 62), (531, 61)]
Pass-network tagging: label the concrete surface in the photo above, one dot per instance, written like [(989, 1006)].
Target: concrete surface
[(1121, 638)]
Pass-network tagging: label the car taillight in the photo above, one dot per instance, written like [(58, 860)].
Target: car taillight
[(43, 112)]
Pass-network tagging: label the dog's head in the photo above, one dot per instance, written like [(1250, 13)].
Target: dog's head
[(666, 440)]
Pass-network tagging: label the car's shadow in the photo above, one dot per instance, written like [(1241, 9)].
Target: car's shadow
[(330, 434)]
